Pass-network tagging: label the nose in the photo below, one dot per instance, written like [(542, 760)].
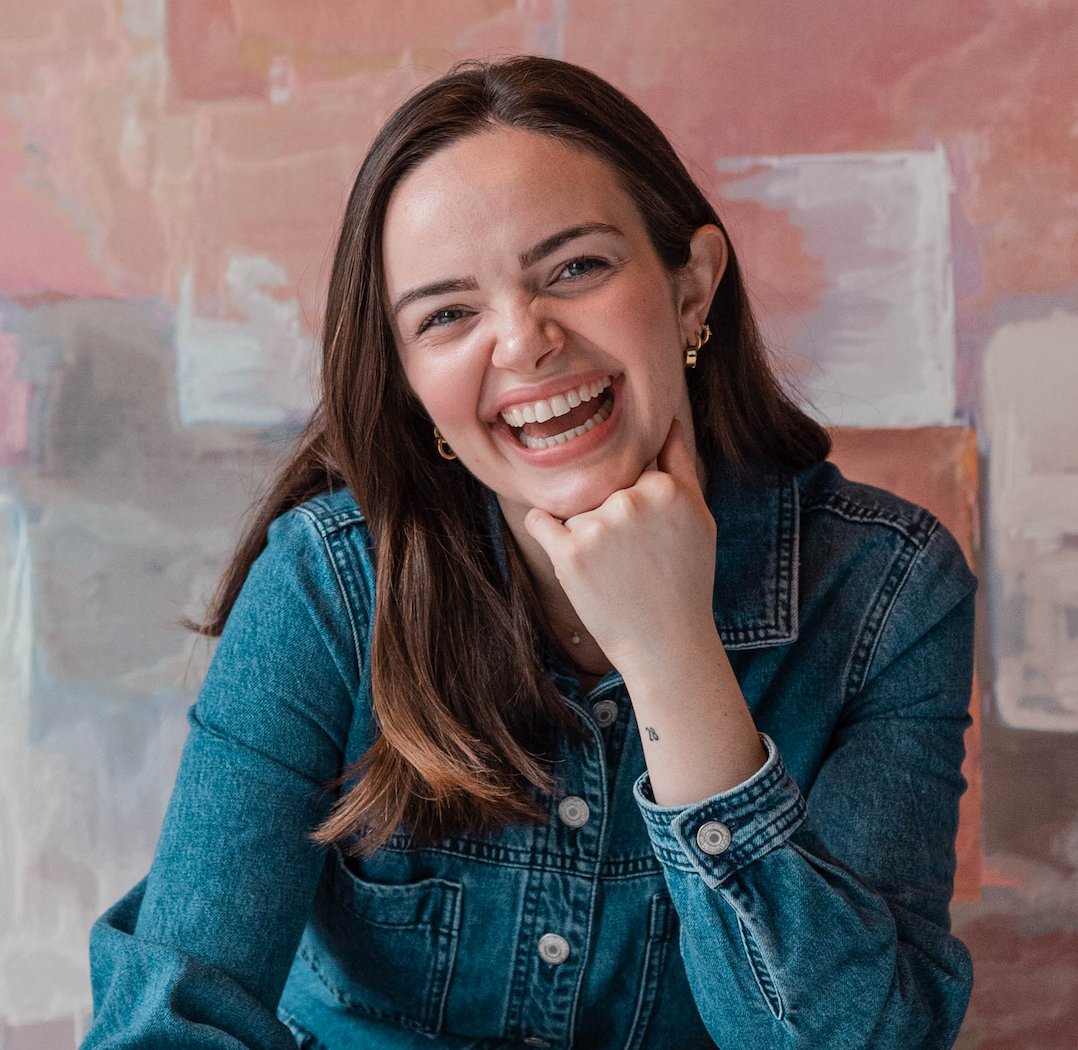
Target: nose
[(526, 340)]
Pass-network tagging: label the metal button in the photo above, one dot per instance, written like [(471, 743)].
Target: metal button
[(605, 712), (573, 811), (553, 948), (713, 837)]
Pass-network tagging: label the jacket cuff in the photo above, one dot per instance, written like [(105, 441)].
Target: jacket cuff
[(720, 835)]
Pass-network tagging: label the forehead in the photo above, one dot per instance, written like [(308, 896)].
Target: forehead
[(498, 191)]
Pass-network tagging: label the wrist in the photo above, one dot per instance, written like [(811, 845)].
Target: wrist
[(676, 661)]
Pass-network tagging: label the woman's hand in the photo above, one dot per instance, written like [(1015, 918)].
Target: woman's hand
[(640, 568)]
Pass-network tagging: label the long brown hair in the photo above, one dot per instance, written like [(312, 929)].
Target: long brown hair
[(464, 727)]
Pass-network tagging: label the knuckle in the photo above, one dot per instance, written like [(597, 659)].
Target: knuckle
[(665, 488), (588, 536), (623, 502)]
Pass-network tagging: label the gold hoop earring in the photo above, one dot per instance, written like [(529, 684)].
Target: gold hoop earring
[(691, 351), (443, 446)]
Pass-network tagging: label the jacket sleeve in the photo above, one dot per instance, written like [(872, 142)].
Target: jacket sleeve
[(823, 921), (196, 955)]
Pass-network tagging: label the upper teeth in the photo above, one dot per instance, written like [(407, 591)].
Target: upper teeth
[(558, 405)]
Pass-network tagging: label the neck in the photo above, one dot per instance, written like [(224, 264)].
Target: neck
[(555, 604), (566, 628)]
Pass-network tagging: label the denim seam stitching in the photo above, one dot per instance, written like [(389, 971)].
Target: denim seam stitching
[(877, 617), (762, 842), (916, 528), (867, 651), (354, 1004), (331, 520), (345, 598), (658, 938), (761, 972), (779, 624)]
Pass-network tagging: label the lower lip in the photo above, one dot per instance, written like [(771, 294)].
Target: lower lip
[(571, 450)]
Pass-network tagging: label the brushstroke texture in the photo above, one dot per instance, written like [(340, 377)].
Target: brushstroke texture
[(254, 371), (171, 176), (14, 403), (877, 228), (1031, 375)]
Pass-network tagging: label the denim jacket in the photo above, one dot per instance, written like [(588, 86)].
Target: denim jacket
[(806, 907)]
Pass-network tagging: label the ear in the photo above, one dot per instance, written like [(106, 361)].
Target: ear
[(698, 279)]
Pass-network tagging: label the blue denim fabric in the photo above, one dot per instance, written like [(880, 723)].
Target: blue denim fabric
[(848, 617)]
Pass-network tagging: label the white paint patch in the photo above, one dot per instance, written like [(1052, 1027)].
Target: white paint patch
[(78, 817), (134, 150), (281, 79), (1030, 428), (144, 18), (16, 623), (880, 345), (255, 371), (548, 18)]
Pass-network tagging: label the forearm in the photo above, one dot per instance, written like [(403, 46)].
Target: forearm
[(787, 947), (847, 964), (698, 736)]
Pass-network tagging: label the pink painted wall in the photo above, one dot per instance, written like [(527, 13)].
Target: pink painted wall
[(900, 179)]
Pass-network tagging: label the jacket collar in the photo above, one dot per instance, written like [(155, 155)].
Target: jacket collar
[(756, 559)]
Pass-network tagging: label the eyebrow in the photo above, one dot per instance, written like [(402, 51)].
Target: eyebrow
[(528, 257), (550, 244), (454, 284)]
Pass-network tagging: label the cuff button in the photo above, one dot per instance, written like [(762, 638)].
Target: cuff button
[(713, 837)]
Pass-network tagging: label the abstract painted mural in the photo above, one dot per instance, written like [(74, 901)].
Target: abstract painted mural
[(900, 181)]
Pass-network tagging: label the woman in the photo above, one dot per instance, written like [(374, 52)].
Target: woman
[(565, 695)]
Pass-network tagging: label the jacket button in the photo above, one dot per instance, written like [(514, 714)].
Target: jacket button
[(604, 711), (573, 811), (713, 837), (553, 949)]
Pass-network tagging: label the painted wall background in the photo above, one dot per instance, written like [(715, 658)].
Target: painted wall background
[(902, 181)]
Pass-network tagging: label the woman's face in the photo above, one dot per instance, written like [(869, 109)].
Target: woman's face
[(534, 320)]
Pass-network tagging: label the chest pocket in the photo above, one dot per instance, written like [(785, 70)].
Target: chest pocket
[(386, 951)]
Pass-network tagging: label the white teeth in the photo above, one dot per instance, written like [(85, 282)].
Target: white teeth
[(569, 435), (558, 405)]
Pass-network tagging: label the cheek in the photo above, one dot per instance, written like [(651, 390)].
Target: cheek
[(649, 334), (644, 312), (445, 387)]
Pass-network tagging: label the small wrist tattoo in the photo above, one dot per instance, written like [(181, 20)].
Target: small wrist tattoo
[(652, 735)]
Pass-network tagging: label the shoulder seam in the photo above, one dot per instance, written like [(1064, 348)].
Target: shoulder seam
[(329, 521), (917, 528), (892, 589)]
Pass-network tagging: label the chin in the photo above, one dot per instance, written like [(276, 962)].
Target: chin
[(565, 509), (581, 499)]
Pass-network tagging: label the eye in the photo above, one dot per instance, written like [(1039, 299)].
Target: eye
[(577, 268), (440, 318)]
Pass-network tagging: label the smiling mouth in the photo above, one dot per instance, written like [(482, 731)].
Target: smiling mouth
[(564, 418)]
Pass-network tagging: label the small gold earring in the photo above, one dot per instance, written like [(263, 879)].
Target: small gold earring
[(691, 351), (443, 446)]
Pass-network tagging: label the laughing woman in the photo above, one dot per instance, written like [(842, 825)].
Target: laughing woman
[(565, 696)]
